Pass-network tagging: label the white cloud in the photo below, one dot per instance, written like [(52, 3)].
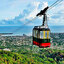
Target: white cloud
[(56, 21), (57, 11), (36, 4), (22, 19), (6, 18), (36, 10), (33, 12), (45, 4)]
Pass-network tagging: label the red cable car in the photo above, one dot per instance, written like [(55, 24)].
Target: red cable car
[(41, 34)]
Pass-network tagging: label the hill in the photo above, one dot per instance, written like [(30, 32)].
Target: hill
[(43, 56), (21, 50)]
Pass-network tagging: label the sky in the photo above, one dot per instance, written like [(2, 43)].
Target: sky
[(18, 12)]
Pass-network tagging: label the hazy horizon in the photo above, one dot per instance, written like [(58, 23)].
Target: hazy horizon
[(20, 30)]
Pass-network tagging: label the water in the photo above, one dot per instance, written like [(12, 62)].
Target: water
[(57, 29), (17, 30)]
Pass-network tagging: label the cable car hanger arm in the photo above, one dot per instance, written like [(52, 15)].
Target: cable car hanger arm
[(42, 12)]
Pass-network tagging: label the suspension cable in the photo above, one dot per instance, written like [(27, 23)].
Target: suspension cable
[(53, 5), (24, 24)]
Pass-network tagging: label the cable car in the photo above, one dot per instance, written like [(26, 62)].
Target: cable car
[(41, 34)]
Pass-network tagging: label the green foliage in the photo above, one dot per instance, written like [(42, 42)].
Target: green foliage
[(44, 56)]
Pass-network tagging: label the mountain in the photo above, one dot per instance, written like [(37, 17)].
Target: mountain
[(23, 56)]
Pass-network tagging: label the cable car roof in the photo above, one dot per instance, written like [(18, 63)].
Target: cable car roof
[(41, 28)]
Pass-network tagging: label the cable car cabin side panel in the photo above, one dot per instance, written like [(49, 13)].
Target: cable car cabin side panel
[(41, 38), (41, 42)]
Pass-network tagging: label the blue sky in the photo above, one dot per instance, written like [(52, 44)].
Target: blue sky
[(18, 12)]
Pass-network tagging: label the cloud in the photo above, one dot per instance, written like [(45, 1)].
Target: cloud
[(32, 9), (56, 21), (28, 14), (57, 15), (45, 4), (31, 13), (37, 10), (6, 18), (34, 12), (36, 4)]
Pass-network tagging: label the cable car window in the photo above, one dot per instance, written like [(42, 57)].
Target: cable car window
[(35, 33), (41, 34), (48, 34), (38, 34), (45, 34)]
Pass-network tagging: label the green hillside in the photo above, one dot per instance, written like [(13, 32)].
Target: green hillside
[(22, 51), (43, 56)]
